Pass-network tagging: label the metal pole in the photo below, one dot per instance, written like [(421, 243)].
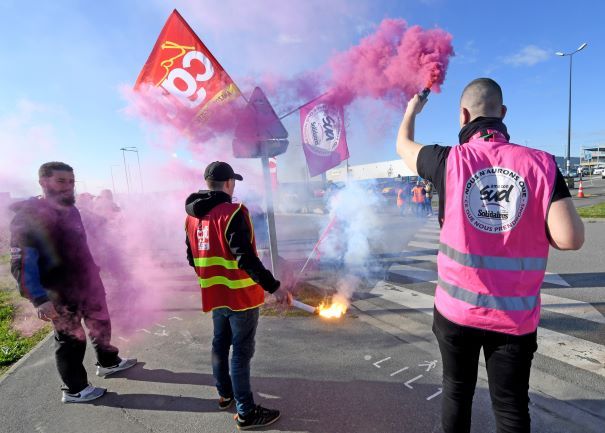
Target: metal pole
[(140, 175), (347, 168), (125, 170), (113, 184), (308, 192), (270, 215), (301, 106), (569, 120), (562, 54)]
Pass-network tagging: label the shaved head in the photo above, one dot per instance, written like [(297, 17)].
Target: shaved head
[(482, 97)]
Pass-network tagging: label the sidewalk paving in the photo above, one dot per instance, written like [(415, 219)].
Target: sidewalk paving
[(326, 377)]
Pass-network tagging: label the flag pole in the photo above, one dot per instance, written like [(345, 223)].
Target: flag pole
[(306, 103), (315, 247)]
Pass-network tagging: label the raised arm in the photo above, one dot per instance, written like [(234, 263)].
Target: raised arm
[(407, 148)]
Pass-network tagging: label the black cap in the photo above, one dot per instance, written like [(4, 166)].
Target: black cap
[(221, 171)]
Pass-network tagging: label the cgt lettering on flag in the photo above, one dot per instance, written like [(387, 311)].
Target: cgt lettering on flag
[(186, 70)]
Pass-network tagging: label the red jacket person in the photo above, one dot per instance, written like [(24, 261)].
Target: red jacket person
[(222, 249)]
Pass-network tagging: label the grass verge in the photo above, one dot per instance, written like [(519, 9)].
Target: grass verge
[(13, 345), (596, 211)]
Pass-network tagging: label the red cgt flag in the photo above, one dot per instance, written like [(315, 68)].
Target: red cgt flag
[(182, 65)]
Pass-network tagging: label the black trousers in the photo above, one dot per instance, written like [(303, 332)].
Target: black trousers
[(70, 339), (508, 360)]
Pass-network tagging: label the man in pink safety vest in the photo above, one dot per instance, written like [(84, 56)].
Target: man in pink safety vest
[(501, 206)]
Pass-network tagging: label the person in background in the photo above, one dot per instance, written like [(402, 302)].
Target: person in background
[(105, 206), (428, 207), (418, 195), (402, 198)]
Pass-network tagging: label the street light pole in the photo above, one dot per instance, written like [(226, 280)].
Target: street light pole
[(133, 149), (568, 163), (125, 170), (113, 183), (570, 55)]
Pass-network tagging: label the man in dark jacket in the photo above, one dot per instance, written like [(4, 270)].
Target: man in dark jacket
[(54, 269), (222, 249)]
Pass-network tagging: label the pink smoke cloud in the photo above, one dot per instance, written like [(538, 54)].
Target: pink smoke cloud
[(388, 66), (392, 64), (31, 126), (176, 123)]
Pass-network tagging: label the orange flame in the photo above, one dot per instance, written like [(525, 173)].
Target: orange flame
[(335, 310)]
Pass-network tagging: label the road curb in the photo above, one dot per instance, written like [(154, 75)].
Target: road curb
[(593, 220), (17, 364)]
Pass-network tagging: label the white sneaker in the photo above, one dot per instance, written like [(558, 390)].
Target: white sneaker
[(87, 394), (124, 364)]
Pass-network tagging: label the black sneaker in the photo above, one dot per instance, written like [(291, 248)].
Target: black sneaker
[(225, 403), (257, 417)]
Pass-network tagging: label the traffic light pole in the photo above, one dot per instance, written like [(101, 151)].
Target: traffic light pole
[(270, 216)]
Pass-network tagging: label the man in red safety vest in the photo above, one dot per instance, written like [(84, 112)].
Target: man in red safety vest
[(418, 194), (222, 249)]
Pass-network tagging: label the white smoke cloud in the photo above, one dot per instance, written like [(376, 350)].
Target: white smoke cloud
[(351, 232)]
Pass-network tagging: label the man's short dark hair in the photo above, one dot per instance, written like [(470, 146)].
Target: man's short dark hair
[(46, 169), (215, 185), (482, 95)]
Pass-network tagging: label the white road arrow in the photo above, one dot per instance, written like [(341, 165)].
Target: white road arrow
[(430, 397)]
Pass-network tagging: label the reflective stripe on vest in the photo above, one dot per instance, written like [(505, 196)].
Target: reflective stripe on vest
[(493, 262), (215, 261), (493, 245), (232, 284), (222, 283), (502, 303)]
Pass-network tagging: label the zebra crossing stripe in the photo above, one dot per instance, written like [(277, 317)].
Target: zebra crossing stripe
[(580, 353), (571, 307), (429, 236), (428, 230), (413, 272), (424, 245)]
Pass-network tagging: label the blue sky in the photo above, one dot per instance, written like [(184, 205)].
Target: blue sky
[(65, 61)]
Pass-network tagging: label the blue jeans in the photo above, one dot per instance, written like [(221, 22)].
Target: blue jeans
[(236, 328)]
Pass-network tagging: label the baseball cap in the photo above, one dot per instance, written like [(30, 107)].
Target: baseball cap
[(220, 171)]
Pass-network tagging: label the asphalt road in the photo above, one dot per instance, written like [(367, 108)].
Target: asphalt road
[(594, 191), (376, 370)]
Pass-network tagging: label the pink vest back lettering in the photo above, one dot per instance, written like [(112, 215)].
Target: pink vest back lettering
[(493, 244)]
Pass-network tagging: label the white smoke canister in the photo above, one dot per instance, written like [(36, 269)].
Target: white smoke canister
[(303, 306)]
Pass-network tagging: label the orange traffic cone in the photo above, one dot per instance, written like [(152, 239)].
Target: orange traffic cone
[(581, 191)]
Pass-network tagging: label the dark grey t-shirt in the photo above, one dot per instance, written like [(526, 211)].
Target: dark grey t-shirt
[(431, 165)]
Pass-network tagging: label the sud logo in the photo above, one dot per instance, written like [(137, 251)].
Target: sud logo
[(322, 128), (495, 199)]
